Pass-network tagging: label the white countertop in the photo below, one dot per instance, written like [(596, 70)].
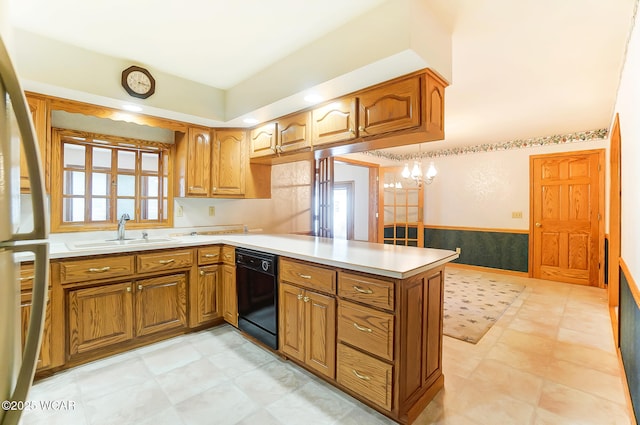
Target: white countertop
[(380, 259)]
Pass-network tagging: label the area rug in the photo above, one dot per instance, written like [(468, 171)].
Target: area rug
[(472, 304)]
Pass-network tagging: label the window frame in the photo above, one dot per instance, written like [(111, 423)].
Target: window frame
[(115, 144)]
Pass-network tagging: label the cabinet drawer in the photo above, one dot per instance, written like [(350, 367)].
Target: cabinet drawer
[(375, 292), (209, 255), (27, 274), (369, 329), (309, 276), (93, 269), (229, 254), (164, 261), (368, 377)]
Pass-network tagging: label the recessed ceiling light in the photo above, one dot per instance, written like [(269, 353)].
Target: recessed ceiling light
[(250, 121), (313, 98), (132, 108)]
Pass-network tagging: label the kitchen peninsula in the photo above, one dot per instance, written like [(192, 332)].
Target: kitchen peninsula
[(365, 317)]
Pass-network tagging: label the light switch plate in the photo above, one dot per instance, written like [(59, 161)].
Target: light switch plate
[(212, 211), (516, 214), (179, 211)]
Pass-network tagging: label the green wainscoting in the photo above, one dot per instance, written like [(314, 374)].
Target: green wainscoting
[(498, 250), (630, 340)]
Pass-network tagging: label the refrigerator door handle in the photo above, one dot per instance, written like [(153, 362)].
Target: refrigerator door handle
[(36, 324), (30, 145)]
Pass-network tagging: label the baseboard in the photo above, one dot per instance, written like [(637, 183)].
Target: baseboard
[(614, 326), (487, 269)]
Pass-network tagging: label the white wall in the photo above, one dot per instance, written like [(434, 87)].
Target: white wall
[(628, 108), (344, 172), (483, 189)]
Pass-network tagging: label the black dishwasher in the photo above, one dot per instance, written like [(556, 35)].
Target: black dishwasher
[(257, 286)]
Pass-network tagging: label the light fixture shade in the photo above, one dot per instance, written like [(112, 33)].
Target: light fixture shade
[(416, 172), (405, 171), (431, 171)]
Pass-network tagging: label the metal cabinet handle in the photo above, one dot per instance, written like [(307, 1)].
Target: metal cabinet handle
[(352, 131), (215, 189), (362, 129), (202, 273), (22, 279), (362, 328), (99, 270), (299, 296), (304, 276), (210, 255), (305, 299), (538, 224), (139, 287), (128, 288), (360, 376), (362, 291), (169, 261)]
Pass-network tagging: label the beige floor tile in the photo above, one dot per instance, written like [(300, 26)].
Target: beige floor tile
[(497, 377), (535, 327), (587, 357), (190, 379), (525, 361), (223, 404), (528, 342), (588, 339)]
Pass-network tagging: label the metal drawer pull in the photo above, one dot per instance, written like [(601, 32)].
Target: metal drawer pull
[(202, 273), (299, 296), (363, 377), (139, 287), (362, 328), (305, 299), (362, 291), (100, 270), (304, 276), (128, 288), (169, 261), (210, 255), (22, 279)]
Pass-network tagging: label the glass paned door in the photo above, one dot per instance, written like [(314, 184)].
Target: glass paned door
[(401, 208)]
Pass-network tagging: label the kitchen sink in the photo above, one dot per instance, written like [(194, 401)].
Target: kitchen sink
[(114, 243)]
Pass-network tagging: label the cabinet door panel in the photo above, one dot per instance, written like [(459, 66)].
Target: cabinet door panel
[(161, 304), (198, 162), (44, 359), (291, 321), (392, 107), (264, 140), (229, 163), (209, 297), (294, 132), (100, 316), (320, 353), (335, 122), (39, 115), (230, 295)]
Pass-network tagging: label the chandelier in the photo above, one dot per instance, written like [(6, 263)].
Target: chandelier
[(416, 173)]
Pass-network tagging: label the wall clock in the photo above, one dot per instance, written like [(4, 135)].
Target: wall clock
[(138, 82)]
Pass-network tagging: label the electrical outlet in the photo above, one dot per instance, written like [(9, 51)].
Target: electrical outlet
[(179, 211), (458, 250), (212, 211), (516, 214)]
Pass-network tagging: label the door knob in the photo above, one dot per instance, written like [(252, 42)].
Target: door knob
[(538, 225)]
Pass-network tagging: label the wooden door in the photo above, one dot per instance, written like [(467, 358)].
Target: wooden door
[(291, 321), (44, 359), (320, 333), (401, 206), (228, 177), (294, 132), (391, 107), (230, 295), (335, 122), (615, 219), (323, 198), (198, 162), (161, 304), (264, 140), (100, 316), (567, 204), (209, 298)]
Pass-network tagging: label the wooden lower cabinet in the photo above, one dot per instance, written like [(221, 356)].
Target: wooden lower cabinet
[(100, 316), (230, 295), (105, 315), (307, 328), (46, 346), (160, 304), (209, 294)]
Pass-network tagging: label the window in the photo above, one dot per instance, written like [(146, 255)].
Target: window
[(96, 179)]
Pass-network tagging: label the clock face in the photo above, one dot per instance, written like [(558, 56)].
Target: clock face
[(138, 82)]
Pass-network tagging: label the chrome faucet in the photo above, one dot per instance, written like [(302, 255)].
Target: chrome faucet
[(123, 220)]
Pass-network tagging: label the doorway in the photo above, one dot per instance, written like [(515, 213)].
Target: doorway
[(566, 239), (343, 210)]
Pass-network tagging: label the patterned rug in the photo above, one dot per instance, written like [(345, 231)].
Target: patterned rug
[(472, 304)]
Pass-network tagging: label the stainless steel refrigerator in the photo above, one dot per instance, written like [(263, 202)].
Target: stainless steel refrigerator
[(17, 365)]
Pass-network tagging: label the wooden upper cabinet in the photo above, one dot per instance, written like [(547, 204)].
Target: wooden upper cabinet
[(294, 132), (264, 140), (39, 115), (434, 99), (335, 122), (198, 163), (228, 175), (390, 107)]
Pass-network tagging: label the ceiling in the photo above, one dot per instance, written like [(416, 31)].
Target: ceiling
[(521, 68)]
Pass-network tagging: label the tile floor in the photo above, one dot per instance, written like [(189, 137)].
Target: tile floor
[(550, 359)]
